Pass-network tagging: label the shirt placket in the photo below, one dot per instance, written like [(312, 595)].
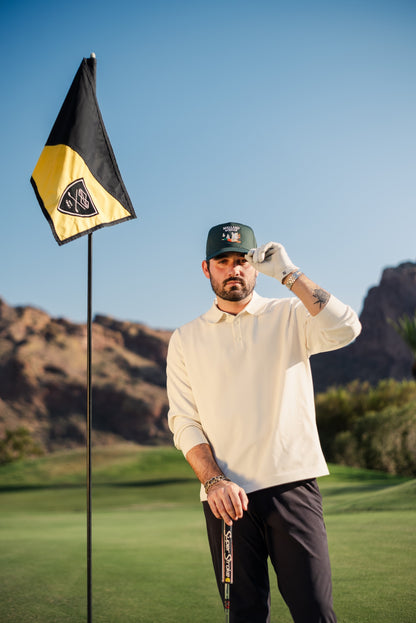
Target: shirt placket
[(237, 333)]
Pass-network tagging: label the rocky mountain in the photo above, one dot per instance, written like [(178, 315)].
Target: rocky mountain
[(43, 368), (43, 379), (378, 352)]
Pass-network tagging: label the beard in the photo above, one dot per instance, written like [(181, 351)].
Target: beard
[(235, 291)]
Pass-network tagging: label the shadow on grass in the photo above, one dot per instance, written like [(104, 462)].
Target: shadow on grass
[(81, 485)]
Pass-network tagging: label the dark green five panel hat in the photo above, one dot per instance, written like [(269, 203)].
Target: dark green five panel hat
[(230, 237)]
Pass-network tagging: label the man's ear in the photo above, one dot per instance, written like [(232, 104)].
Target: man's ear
[(205, 269)]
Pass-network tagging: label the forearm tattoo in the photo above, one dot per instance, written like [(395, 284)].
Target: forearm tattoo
[(321, 296)]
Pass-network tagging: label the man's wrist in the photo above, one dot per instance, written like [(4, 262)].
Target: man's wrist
[(213, 481), (290, 279)]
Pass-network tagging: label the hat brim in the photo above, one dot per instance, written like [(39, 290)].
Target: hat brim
[(228, 249)]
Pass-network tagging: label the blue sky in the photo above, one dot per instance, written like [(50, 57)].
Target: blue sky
[(298, 118)]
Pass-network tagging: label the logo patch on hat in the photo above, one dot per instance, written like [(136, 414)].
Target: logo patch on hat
[(231, 233)]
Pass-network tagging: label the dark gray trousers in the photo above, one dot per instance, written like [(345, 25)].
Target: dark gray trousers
[(286, 523)]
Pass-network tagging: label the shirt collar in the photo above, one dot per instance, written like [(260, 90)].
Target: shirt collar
[(254, 307)]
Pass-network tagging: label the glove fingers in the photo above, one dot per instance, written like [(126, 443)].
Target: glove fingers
[(266, 251), (258, 255), (270, 251), (249, 256), (271, 259)]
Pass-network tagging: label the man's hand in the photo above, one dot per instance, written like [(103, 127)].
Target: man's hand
[(271, 259), (227, 501)]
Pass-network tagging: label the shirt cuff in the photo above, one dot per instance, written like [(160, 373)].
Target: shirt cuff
[(337, 315), (333, 311), (190, 436)]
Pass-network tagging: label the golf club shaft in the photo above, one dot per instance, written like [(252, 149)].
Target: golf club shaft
[(227, 603)]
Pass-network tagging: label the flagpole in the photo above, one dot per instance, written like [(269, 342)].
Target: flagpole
[(79, 134), (89, 424), (89, 429)]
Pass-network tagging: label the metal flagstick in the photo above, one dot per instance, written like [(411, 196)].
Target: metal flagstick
[(79, 128), (89, 426), (227, 566), (89, 429)]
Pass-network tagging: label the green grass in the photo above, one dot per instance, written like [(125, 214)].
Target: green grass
[(150, 552)]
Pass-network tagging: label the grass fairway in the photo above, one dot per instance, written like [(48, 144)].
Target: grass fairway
[(150, 553)]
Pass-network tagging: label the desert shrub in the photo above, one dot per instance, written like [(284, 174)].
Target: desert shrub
[(371, 427), (390, 392), (17, 444), (359, 397), (337, 410), (384, 440)]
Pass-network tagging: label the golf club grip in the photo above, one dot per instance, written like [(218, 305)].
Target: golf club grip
[(227, 553), (227, 565)]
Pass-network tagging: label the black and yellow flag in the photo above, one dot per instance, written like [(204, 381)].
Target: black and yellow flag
[(77, 180)]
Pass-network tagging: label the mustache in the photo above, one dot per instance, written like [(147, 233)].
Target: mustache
[(238, 279)]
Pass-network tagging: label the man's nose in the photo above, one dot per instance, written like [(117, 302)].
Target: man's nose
[(235, 268)]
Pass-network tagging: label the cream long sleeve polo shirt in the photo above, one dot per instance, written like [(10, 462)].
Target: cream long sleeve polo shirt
[(243, 384)]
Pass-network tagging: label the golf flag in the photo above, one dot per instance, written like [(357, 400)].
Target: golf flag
[(77, 180)]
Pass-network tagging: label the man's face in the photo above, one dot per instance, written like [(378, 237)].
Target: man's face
[(232, 277)]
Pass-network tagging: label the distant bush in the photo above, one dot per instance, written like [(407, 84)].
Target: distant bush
[(384, 441), (370, 427), (17, 444)]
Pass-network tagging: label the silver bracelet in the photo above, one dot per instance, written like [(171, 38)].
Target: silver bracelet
[(213, 481), (291, 280)]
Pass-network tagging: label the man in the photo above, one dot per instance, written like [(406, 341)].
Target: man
[(242, 412)]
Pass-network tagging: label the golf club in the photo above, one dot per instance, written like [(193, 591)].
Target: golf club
[(227, 566)]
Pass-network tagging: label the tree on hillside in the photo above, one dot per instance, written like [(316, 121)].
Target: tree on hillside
[(406, 328)]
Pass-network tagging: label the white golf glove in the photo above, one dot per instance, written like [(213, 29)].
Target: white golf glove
[(271, 259)]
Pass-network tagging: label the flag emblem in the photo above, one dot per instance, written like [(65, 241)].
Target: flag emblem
[(76, 179), (77, 201)]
